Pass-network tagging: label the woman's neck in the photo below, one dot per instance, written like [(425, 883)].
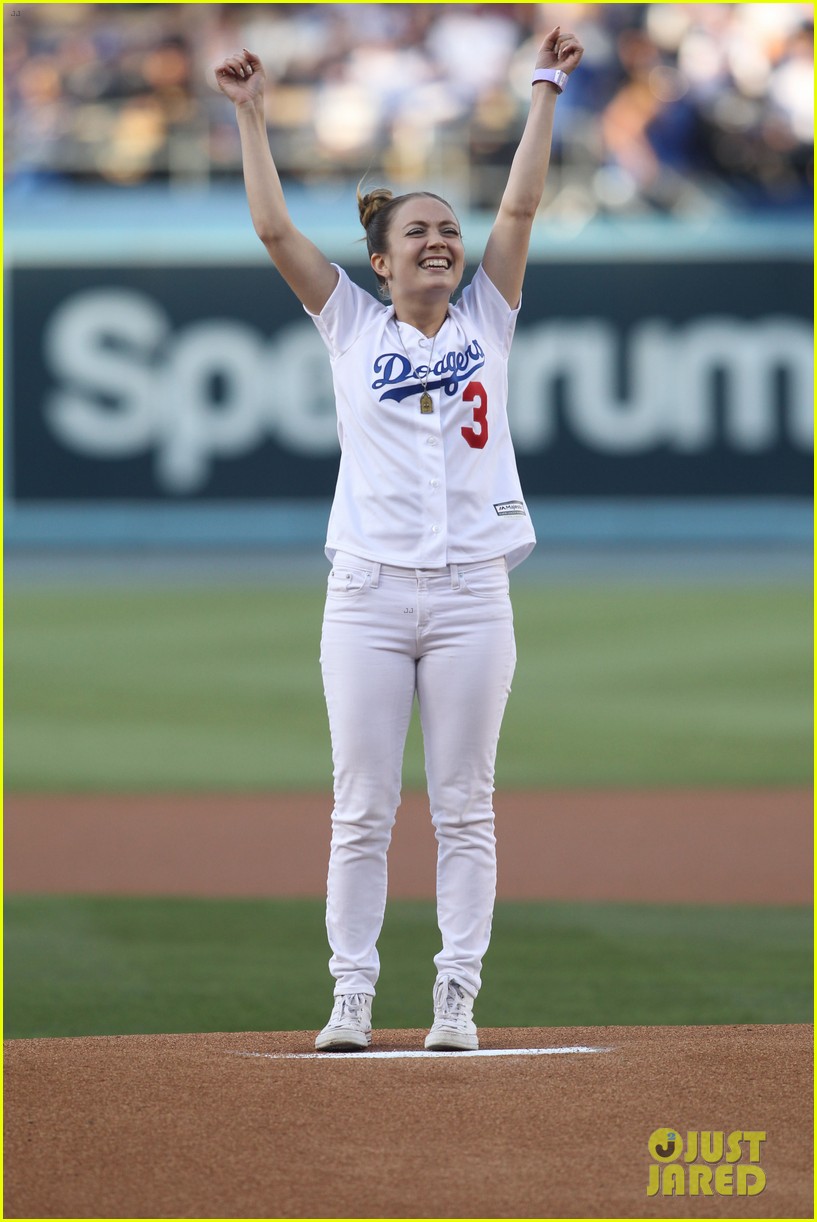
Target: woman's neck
[(425, 316)]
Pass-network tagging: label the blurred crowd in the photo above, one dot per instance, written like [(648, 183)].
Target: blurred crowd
[(683, 108)]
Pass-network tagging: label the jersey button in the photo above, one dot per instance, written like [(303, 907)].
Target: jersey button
[(431, 441), (435, 530), (435, 483)]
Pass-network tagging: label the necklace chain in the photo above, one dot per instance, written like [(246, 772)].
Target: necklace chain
[(426, 402)]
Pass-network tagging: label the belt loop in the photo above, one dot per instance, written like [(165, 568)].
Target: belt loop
[(375, 580), (455, 577)]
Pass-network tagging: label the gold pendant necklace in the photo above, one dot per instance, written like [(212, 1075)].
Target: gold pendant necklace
[(426, 402)]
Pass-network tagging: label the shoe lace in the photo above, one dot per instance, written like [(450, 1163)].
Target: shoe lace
[(451, 1004), (349, 1007)]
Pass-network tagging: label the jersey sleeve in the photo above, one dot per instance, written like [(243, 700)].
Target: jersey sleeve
[(483, 304), (347, 313)]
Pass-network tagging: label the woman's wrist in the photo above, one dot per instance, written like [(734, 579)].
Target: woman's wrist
[(550, 76), (255, 106), (544, 93)]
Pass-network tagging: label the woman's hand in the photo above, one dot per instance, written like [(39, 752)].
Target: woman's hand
[(241, 76), (562, 51)]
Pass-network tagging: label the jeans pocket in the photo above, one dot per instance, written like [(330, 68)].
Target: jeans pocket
[(486, 583), (343, 582)]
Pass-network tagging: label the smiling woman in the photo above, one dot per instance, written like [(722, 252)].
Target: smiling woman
[(407, 234), (428, 518)]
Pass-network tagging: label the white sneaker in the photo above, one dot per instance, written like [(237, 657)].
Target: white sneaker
[(349, 1026), (453, 1029)]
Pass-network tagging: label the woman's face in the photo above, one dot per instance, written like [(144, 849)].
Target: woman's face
[(424, 248)]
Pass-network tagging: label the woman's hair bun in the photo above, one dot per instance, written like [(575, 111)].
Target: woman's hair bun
[(371, 203)]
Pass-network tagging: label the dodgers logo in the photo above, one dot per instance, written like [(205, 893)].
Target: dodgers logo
[(396, 372)]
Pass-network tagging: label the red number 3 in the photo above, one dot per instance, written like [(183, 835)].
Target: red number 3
[(477, 438)]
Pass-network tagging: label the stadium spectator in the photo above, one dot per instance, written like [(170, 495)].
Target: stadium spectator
[(681, 108)]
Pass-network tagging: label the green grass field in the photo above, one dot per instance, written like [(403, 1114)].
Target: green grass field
[(99, 966), (200, 689), (219, 689)]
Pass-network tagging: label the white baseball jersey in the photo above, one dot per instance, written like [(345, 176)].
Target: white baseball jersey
[(424, 490)]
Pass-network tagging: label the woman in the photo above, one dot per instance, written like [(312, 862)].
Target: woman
[(428, 518)]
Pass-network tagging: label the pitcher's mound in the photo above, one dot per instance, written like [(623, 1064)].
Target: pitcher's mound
[(543, 1123)]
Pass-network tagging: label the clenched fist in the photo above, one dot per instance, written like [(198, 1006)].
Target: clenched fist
[(241, 76), (559, 50)]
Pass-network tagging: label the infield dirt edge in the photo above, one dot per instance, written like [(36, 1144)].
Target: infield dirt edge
[(179, 1126)]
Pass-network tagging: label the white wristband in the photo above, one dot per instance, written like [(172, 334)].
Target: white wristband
[(554, 75)]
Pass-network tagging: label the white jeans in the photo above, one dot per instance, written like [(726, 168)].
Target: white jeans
[(446, 634)]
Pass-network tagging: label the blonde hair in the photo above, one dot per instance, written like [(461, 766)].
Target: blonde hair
[(376, 209)]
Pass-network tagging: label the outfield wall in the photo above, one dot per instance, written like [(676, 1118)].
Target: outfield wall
[(174, 391)]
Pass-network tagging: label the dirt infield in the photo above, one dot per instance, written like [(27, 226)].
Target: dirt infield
[(181, 1126), (236, 1126), (662, 846)]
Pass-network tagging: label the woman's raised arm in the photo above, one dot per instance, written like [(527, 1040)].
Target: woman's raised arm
[(507, 251), (306, 270)]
